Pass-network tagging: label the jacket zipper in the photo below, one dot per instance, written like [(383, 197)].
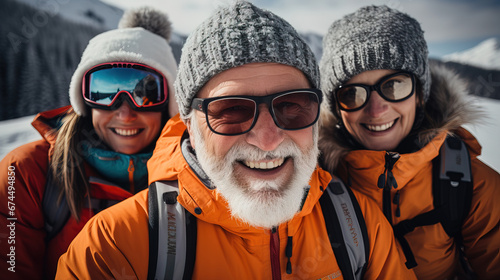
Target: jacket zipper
[(387, 203), (389, 183), (275, 254), (131, 169)]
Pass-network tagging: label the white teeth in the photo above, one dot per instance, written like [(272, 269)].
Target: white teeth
[(126, 132), (380, 127), (264, 165)]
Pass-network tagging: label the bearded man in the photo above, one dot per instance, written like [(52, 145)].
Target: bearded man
[(244, 156)]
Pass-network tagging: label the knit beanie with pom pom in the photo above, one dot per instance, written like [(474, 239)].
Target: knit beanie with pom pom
[(142, 36)]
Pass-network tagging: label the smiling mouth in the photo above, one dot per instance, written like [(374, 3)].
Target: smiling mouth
[(126, 132), (382, 127), (264, 165)]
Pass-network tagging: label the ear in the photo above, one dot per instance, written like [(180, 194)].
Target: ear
[(419, 95), (187, 122), (173, 108)]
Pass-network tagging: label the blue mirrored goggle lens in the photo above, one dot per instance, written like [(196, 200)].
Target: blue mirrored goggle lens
[(144, 87)]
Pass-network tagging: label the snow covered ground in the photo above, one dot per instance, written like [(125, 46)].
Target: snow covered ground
[(488, 132), (19, 131), (16, 132)]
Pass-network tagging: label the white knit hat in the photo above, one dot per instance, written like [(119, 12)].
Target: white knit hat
[(142, 37)]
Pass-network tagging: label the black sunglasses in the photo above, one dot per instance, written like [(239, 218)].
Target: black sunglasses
[(237, 114), (393, 88)]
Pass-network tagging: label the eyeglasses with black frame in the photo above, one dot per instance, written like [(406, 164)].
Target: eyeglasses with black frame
[(395, 87), (237, 114)]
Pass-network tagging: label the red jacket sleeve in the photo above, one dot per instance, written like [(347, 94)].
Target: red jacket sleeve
[(22, 181)]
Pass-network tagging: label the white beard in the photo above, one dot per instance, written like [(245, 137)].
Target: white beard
[(260, 203)]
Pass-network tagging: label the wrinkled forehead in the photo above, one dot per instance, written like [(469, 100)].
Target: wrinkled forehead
[(254, 79)]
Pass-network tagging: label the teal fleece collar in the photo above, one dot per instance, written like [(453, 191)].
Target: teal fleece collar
[(114, 166)]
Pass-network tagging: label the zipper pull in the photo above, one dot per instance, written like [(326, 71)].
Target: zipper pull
[(381, 181), (391, 181), (288, 253), (131, 169), (391, 159), (398, 212), (396, 198)]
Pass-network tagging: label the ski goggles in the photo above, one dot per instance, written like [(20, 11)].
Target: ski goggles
[(393, 88), (237, 114), (107, 85)]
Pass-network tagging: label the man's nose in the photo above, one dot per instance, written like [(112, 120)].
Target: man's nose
[(265, 135)]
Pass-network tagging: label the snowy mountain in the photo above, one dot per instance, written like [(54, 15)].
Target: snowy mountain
[(485, 55), (480, 81), (94, 13), (88, 12), (39, 52)]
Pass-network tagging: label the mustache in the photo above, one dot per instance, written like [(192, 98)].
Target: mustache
[(242, 151)]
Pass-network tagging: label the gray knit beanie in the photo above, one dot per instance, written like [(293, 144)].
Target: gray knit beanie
[(233, 36), (373, 37)]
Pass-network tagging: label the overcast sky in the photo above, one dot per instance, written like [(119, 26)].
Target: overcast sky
[(449, 25)]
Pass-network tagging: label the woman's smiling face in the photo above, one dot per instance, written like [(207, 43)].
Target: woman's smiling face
[(380, 125), (125, 130)]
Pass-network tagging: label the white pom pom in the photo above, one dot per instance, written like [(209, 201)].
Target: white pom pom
[(148, 18)]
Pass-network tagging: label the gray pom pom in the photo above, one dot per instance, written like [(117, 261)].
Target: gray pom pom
[(149, 19)]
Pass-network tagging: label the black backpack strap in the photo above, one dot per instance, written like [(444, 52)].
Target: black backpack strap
[(347, 233), (172, 256), (452, 191), (99, 204), (406, 226), (191, 234), (55, 213), (452, 184)]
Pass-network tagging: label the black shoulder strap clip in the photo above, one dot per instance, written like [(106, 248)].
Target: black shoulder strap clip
[(172, 234)]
